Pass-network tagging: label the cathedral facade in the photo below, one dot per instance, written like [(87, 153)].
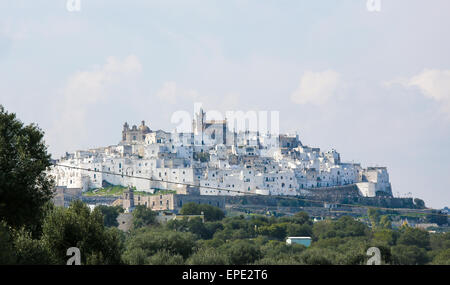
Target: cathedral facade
[(134, 134)]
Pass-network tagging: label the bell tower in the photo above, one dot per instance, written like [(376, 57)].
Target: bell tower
[(126, 129)]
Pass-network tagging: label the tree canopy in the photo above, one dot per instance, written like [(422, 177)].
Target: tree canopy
[(24, 186), (211, 213)]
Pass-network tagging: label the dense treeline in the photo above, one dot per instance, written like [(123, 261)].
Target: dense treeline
[(230, 240), (261, 240)]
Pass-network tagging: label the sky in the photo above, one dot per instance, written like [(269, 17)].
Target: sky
[(371, 81)]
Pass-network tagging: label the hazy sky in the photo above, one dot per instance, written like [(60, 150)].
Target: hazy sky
[(373, 85)]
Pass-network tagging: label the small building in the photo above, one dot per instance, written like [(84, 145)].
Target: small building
[(165, 202), (125, 221), (306, 241)]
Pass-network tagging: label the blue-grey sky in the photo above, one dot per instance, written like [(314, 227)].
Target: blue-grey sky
[(373, 85)]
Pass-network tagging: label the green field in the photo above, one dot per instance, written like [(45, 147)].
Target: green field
[(117, 190)]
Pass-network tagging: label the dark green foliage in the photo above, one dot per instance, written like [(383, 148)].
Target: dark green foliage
[(31, 251), (211, 213), (346, 250), (278, 253), (165, 257), (440, 241), (409, 255), (208, 256), (345, 226), (143, 216), (419, 203), (318, 256), (277, 231), (414, 237), (442, 258), (76, 226), (374, 217), (241, 252), (147, 242), (194, 226), (110, 214), (298, 230), (385, 237), (7, 254), (385, 222), (24, 187)]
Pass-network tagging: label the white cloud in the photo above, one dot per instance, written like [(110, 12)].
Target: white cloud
[(316, 87), (171, 93), (86, 87), (168, 92), (433, 83), (83, 90)]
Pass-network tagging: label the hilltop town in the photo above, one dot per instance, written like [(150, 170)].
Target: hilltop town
[(212, 161)]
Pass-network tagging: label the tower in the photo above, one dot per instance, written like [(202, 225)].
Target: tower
[(128, 199), (198, 126), (126, 128)]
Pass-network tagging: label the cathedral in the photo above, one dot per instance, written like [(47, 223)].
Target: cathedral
[(135, 134), (210, 132)]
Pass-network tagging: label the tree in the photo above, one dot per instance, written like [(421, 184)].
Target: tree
[(385, 222), (374, 217), (77, 226), (241, 252), (135, 256), (211, 213), (385, 237), (7, 255), (208, 256), (443, 258), (409, 255), (343, 227), (147, 242), (318, 256), (24, 186), (143, 216), (302, 218), (195, 226), (110, 214), (419, 203), (164, 257), (298, 230), (414, 237), (281, 253), (277, 231), (31, 251), (440, 241)]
